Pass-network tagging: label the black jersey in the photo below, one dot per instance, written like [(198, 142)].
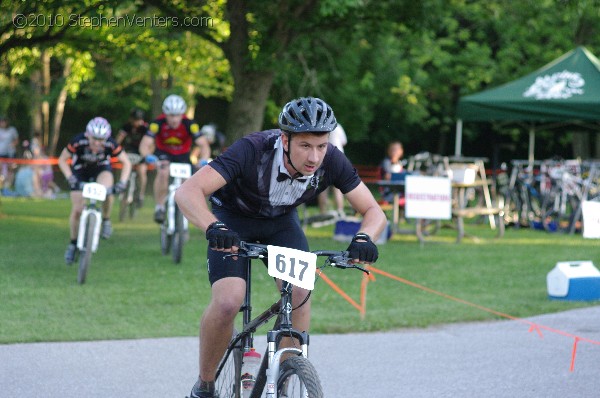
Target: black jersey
[(84, 158), (133, 137), (253, 166)]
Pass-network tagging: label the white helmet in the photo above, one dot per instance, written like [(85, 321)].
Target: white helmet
[(98, 128), (174, 105)]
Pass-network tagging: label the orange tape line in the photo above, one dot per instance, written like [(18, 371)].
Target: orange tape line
[(532, 325), (338, 290)]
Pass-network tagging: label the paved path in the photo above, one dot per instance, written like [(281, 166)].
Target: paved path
[(487, 359)]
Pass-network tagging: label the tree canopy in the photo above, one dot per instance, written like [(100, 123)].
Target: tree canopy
[(391, 70)]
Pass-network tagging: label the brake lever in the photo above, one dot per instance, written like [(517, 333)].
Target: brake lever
[(238, 254)]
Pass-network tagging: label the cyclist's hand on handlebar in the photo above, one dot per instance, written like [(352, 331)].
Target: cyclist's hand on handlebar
[(120, 187), (73, 181), (221, 238), (362, 249)]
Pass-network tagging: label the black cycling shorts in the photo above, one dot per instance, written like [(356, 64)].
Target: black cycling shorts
[(285, 231), (88, 174), (183, 158)]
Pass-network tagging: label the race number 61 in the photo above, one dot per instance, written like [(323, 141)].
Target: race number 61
[(295, 266)]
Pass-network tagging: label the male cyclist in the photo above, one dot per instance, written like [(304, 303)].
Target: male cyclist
[(91, 153), (254, 188), (170, 138), (129, 137)]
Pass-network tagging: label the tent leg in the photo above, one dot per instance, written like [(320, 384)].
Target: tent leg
[(531, 148), (458, 143)]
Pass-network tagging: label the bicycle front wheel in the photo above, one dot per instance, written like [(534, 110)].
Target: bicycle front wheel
[(298, 378), (178, 236), (228, 380), (123, 206), (165, 239), (86, 255)]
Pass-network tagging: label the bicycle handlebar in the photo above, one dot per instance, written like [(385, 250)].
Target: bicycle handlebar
[(335, 258)]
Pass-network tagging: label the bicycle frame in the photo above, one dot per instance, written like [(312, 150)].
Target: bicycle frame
[(180, 172), (94, 192), (283, 328)]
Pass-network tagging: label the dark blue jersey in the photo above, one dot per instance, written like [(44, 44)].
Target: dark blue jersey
[(84, 158), (253, 168)]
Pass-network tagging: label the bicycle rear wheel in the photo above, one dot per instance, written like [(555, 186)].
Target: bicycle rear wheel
[(86, 255), (228, 382), (132, 194), (178, 236), (296, 376)]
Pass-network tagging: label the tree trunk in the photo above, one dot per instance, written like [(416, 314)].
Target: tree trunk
[(59, 109), (46, 92), (251, 86), (157, 94), (247, 109), (37, 125)]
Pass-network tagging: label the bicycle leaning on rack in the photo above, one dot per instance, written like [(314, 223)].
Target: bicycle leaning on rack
[(174, 229), (88, 236), (294, 376), (129, 199)]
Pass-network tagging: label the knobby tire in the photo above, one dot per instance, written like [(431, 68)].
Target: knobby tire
[(228, 379), (178, 236), (165, 239), (86, 255), (295, 372)]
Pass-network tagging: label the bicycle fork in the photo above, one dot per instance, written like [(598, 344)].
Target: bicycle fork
[(87, 212), (171, 209), (274, 336)]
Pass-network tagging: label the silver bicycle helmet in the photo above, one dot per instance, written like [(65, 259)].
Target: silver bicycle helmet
[(307, 115), (174, 105), (98, 128)]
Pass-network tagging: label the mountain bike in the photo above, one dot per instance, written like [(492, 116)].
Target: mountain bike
[(128, 198), (174, 230), (89, 226), (523, 197), (295, 376)]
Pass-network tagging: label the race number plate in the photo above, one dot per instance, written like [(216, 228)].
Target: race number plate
[(95, 191), (295, 266), (181, 170)]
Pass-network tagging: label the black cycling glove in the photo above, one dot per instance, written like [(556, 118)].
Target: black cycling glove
[(221, 237), (119, 187), (363, 249), (73, 181)]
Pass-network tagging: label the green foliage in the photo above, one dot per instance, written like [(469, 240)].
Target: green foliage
[(391, 70)]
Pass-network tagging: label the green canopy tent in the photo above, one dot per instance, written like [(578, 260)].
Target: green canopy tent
[(565, 90)]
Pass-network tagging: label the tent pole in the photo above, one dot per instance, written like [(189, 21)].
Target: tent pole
[(458, 143), (531, 147)]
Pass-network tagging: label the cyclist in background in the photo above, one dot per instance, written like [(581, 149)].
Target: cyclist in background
[(254, 188), (169, 139), (91, 153), (129, 138)]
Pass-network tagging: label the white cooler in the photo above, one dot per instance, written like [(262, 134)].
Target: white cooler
[(574, 280)]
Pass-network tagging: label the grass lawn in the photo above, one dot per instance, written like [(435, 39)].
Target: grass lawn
[(132, 291)]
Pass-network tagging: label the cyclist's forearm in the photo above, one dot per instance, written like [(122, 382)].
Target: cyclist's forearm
[(126, 170), (194, 207), (146, 146), (192, 194), (63, 165)]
